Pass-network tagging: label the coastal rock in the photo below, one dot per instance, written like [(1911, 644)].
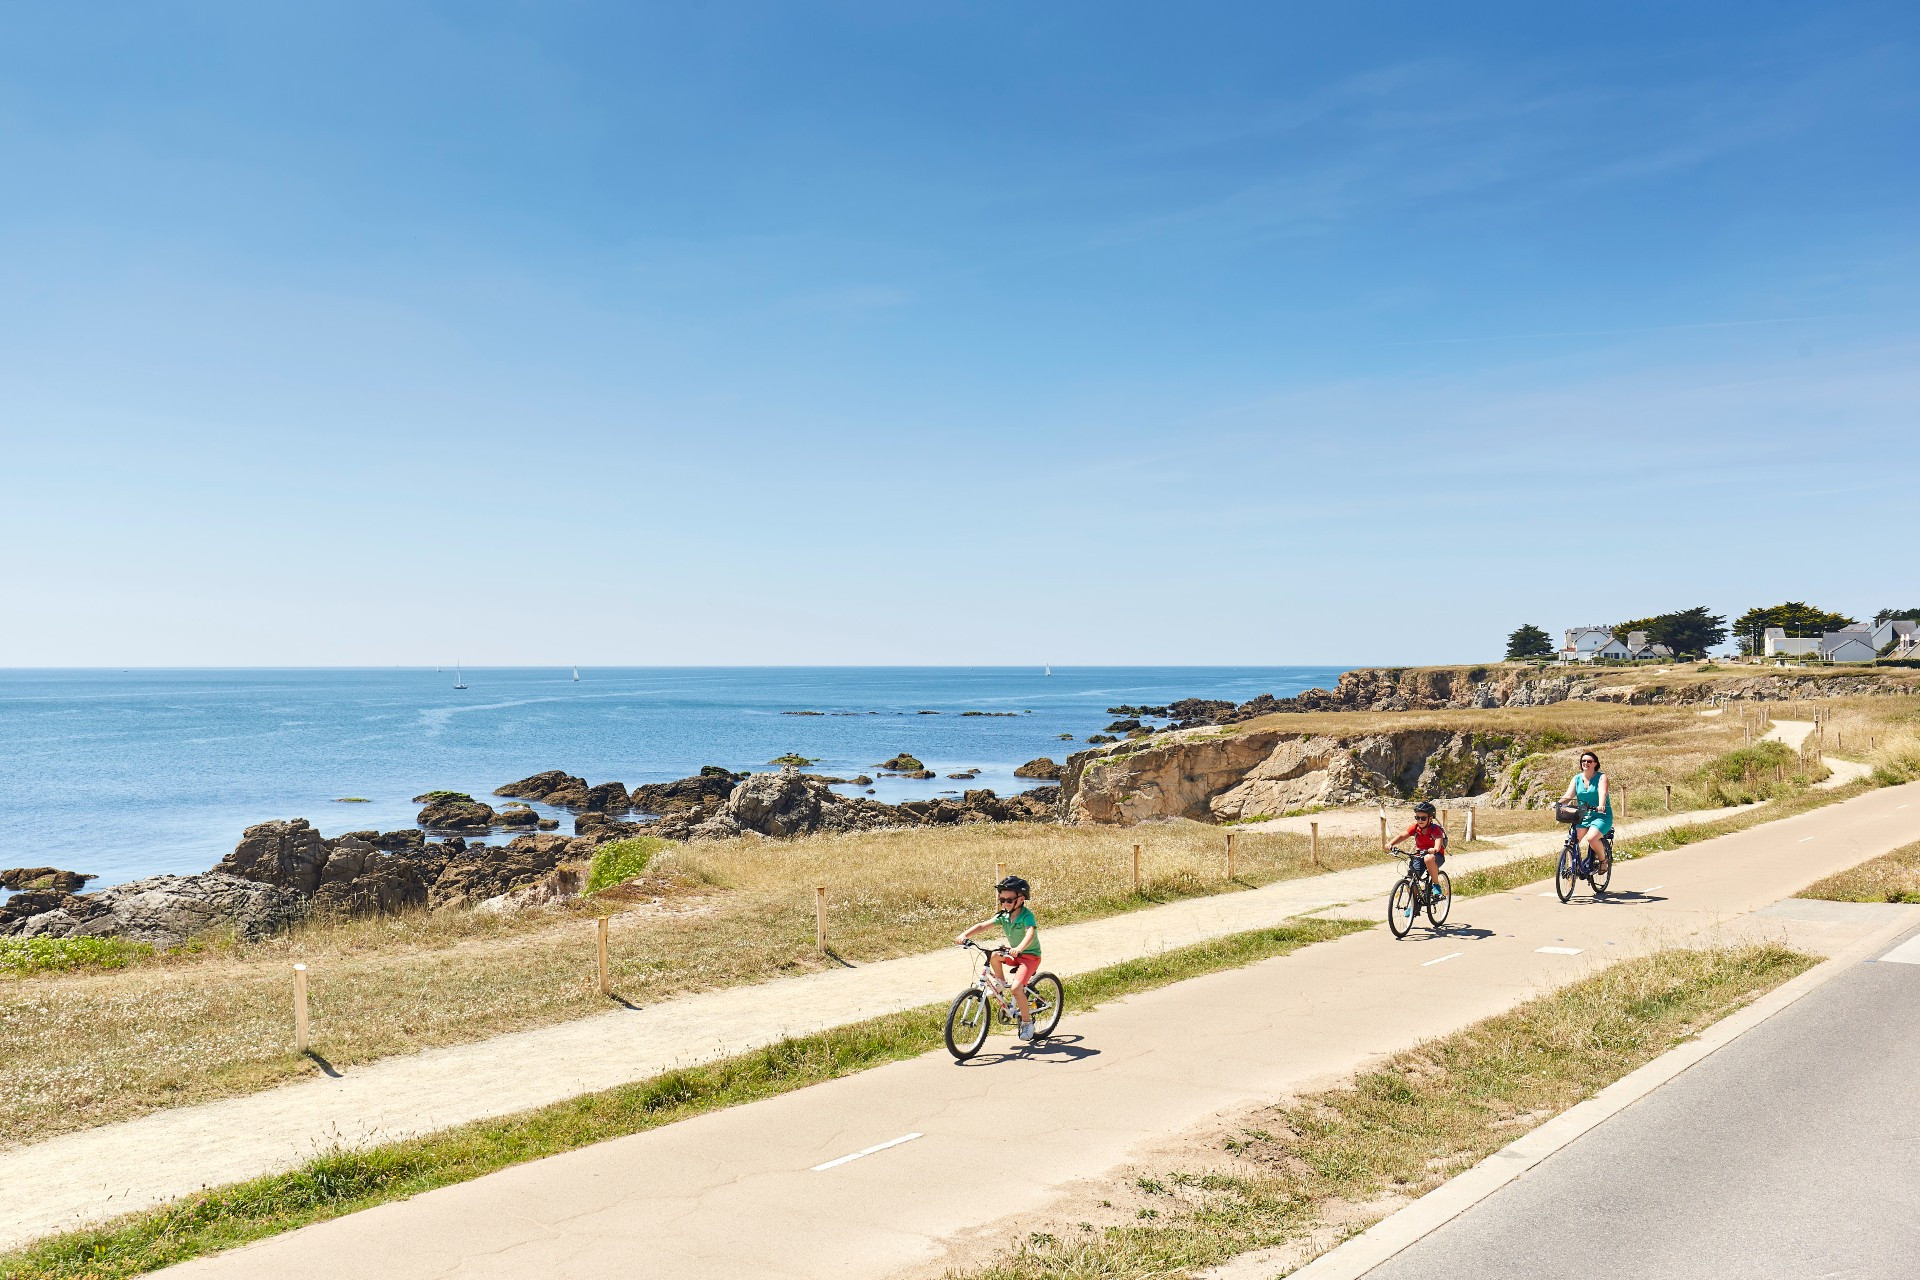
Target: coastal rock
[(475, 876), (44, 878), (289, 854), (902, 763), (455, 811), (607, 828), (1042, 769), (920, 775), (542, 785), (1123, 726), (1210, 776), (608, 797), (362, 879), (705, 791), (517, 817), (568, 880), (164, 911)]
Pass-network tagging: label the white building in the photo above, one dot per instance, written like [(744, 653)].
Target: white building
[(1584, 644), (1638, 650), (1776, 643)]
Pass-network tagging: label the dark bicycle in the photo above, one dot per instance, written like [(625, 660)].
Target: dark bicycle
[(988, 1000), (1419, 892), (1575, 865)]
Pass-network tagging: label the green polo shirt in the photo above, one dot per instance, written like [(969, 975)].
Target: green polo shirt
[(1015, 927)]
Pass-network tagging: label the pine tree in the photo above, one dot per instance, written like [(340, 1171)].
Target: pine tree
[(1529, 641)]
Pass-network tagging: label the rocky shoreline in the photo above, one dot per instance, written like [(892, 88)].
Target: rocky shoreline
[(285, 871)]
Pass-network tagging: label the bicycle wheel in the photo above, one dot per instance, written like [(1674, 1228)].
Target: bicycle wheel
[(1402, 906), (967, 1023), (1600, 880), (1048, 999), (1438, 908), (1563, 877)]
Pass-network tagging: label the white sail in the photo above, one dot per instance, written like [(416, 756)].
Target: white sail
[(576, 673)]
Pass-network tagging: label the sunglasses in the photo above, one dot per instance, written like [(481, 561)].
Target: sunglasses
[(1009, 898)]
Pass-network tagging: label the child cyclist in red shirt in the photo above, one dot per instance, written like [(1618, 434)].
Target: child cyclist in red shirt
[(1430, 838)]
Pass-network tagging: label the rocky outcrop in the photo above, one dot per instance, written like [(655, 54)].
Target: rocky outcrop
[(516, 817), (165, 911), (472, 877), (44, 879), (704, 792), (608, 797), (1459, 688), (1043, 769), (902, 763), (542, 785), (455, 812), (790, 803), (1212, 776), (288, 854)]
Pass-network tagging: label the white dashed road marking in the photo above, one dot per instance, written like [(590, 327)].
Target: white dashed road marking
[(1804, 839), (1452, 955), (894, 1142), (1907, 952), (1557, 951)]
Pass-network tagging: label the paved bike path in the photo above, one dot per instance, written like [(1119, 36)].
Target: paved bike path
[(740, 1192), (86, 1176)]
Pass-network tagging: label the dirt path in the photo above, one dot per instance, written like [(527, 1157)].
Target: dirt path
[(880, 1172), (1795, 734), (95, 1173)]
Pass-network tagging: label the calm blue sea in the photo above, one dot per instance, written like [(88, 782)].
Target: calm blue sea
[(131, 773)]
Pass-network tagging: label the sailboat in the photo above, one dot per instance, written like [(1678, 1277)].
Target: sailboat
[(576, 674), (459, 680), (1047, 670)]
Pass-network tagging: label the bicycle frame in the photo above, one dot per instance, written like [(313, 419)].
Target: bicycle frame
[(993, 988)]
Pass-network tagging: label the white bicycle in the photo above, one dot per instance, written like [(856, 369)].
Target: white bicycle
[(975, 1009)]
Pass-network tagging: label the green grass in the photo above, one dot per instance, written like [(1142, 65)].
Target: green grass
[(344, 1181), (48, 955), (1400, 1130), (1892, 877), (795, 759), (621, 861), (352, 800)]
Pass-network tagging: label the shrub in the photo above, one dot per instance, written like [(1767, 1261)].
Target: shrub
[(40, 955), (621, 861)]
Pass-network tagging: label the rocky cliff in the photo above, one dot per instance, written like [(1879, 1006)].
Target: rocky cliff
[(1461, 688), (1214, 775)]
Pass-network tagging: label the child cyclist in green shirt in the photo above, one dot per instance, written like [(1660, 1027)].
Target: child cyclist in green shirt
[(1017, 962)]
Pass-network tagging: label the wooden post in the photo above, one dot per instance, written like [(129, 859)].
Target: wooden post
[(1446, 818), (606, 986), (1471, 813), (1136, 869), (1669, 797), (1316, 843), (299, 1008), (1229, 855), (1383, 831), (820, 916)]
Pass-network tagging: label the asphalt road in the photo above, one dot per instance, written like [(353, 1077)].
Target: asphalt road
[(1793, 1152)]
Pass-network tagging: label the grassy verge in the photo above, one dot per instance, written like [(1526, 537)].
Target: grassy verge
[(60, 955), (1892, 877), (1397, 1132), (343, 1181)]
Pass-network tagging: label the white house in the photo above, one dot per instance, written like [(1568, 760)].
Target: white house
[(1849, 644), (1584, 644), (1776, 643)]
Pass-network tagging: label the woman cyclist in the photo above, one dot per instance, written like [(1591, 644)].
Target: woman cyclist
[(1589, 790)]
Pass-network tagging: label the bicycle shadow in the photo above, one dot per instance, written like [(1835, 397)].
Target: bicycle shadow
[(1613, 898), (1470, 932), (1056, 1049)]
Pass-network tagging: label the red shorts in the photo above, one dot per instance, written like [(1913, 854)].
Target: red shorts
[(1021, 968)]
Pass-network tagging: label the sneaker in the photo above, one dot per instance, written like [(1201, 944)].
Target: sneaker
[(1026, 1029)]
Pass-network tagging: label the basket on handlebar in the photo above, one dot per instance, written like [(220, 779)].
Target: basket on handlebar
[(1564, 812)]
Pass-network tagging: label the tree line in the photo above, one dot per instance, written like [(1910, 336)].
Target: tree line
[(1690, 633)]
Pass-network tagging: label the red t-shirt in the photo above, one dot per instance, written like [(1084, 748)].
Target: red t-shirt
[(1425, 840)]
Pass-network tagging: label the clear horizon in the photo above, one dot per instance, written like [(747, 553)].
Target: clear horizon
[(1096, 336)]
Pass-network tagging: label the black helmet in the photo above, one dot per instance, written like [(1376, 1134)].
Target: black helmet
[(1425, 807), (1014, 884)]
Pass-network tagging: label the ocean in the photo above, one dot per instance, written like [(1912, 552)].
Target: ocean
[(133, 773)]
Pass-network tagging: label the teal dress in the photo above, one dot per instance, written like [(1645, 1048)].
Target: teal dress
[(1588, 794)]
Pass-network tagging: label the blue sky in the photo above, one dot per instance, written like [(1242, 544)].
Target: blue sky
[(902, 332)]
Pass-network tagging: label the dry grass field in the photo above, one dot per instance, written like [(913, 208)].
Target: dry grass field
[(83, 1049)]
